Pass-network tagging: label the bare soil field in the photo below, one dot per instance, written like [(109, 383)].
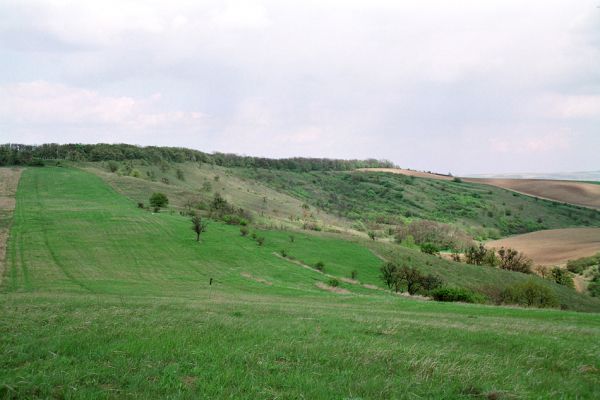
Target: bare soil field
[(409, 172), (9, 179), (554, 247), (573, 192)]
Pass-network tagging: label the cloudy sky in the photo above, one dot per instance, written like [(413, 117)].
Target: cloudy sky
[(461, 86)]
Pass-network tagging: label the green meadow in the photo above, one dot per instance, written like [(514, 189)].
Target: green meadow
[(102, 299)]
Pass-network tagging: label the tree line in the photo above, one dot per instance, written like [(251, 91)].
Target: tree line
[(21, 154)]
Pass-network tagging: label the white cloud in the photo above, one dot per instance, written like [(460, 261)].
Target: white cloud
[(531, 144), (571, 106), (41, 102)]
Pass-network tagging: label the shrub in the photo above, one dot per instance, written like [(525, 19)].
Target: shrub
[(579, 265), (354, 274), (311, 226), (260, 240), (320, 265), (372, 235), (530, 294), (180, 175), (512, 260), (158, 200), (562, 277), (140, 205), (430, 282), (457, 180), (333, 282), (388, 272), (409, 276), (283, 253), (112, 166), (292, 238), (253, 236), (244, 231), (230, 219), (457, 294), (429, 248), (443, 236)]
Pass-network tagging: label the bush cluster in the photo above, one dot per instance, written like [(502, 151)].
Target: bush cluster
[(457, 294), (530, 294), (399, 278)]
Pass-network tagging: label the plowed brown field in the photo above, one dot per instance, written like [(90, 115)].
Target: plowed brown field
[(555, 246)]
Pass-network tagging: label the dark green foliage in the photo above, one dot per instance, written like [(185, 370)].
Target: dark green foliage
[(594, 286), (388, 274), (354, 274), (244, 231), (112, 166), (180, 174), (222, 210), (530, 294), (430, 282), (409, 277), (581, 264), (562, 277), (479, 255), (429, 248), (320, 265), (283, 252), (457, 294), (333, 282), (398, 278), (260, 240), (19, 154), (140, 205), (372, 235), (234, 220), (158, 200)]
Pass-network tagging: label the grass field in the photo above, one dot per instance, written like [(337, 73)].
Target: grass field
[(105, 300)]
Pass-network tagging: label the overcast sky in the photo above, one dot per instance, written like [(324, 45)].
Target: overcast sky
[(462, 86)]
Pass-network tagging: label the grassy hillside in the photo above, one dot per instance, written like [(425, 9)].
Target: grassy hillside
[(102, 299), (271, 208), (484, 211)]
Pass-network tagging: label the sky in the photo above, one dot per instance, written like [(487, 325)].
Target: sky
[(463, 87)]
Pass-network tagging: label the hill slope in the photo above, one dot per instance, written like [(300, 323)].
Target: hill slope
[(106, 300), (483, 211), (579, 193)]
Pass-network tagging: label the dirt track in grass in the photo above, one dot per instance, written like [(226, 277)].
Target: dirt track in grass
[(9, 180)]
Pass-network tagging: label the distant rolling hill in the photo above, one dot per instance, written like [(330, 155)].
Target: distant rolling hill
[(572, 192), (580, 189), (564, 176)]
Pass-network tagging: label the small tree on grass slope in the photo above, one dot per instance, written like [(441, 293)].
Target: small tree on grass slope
[(158, 200), (198, 226)]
